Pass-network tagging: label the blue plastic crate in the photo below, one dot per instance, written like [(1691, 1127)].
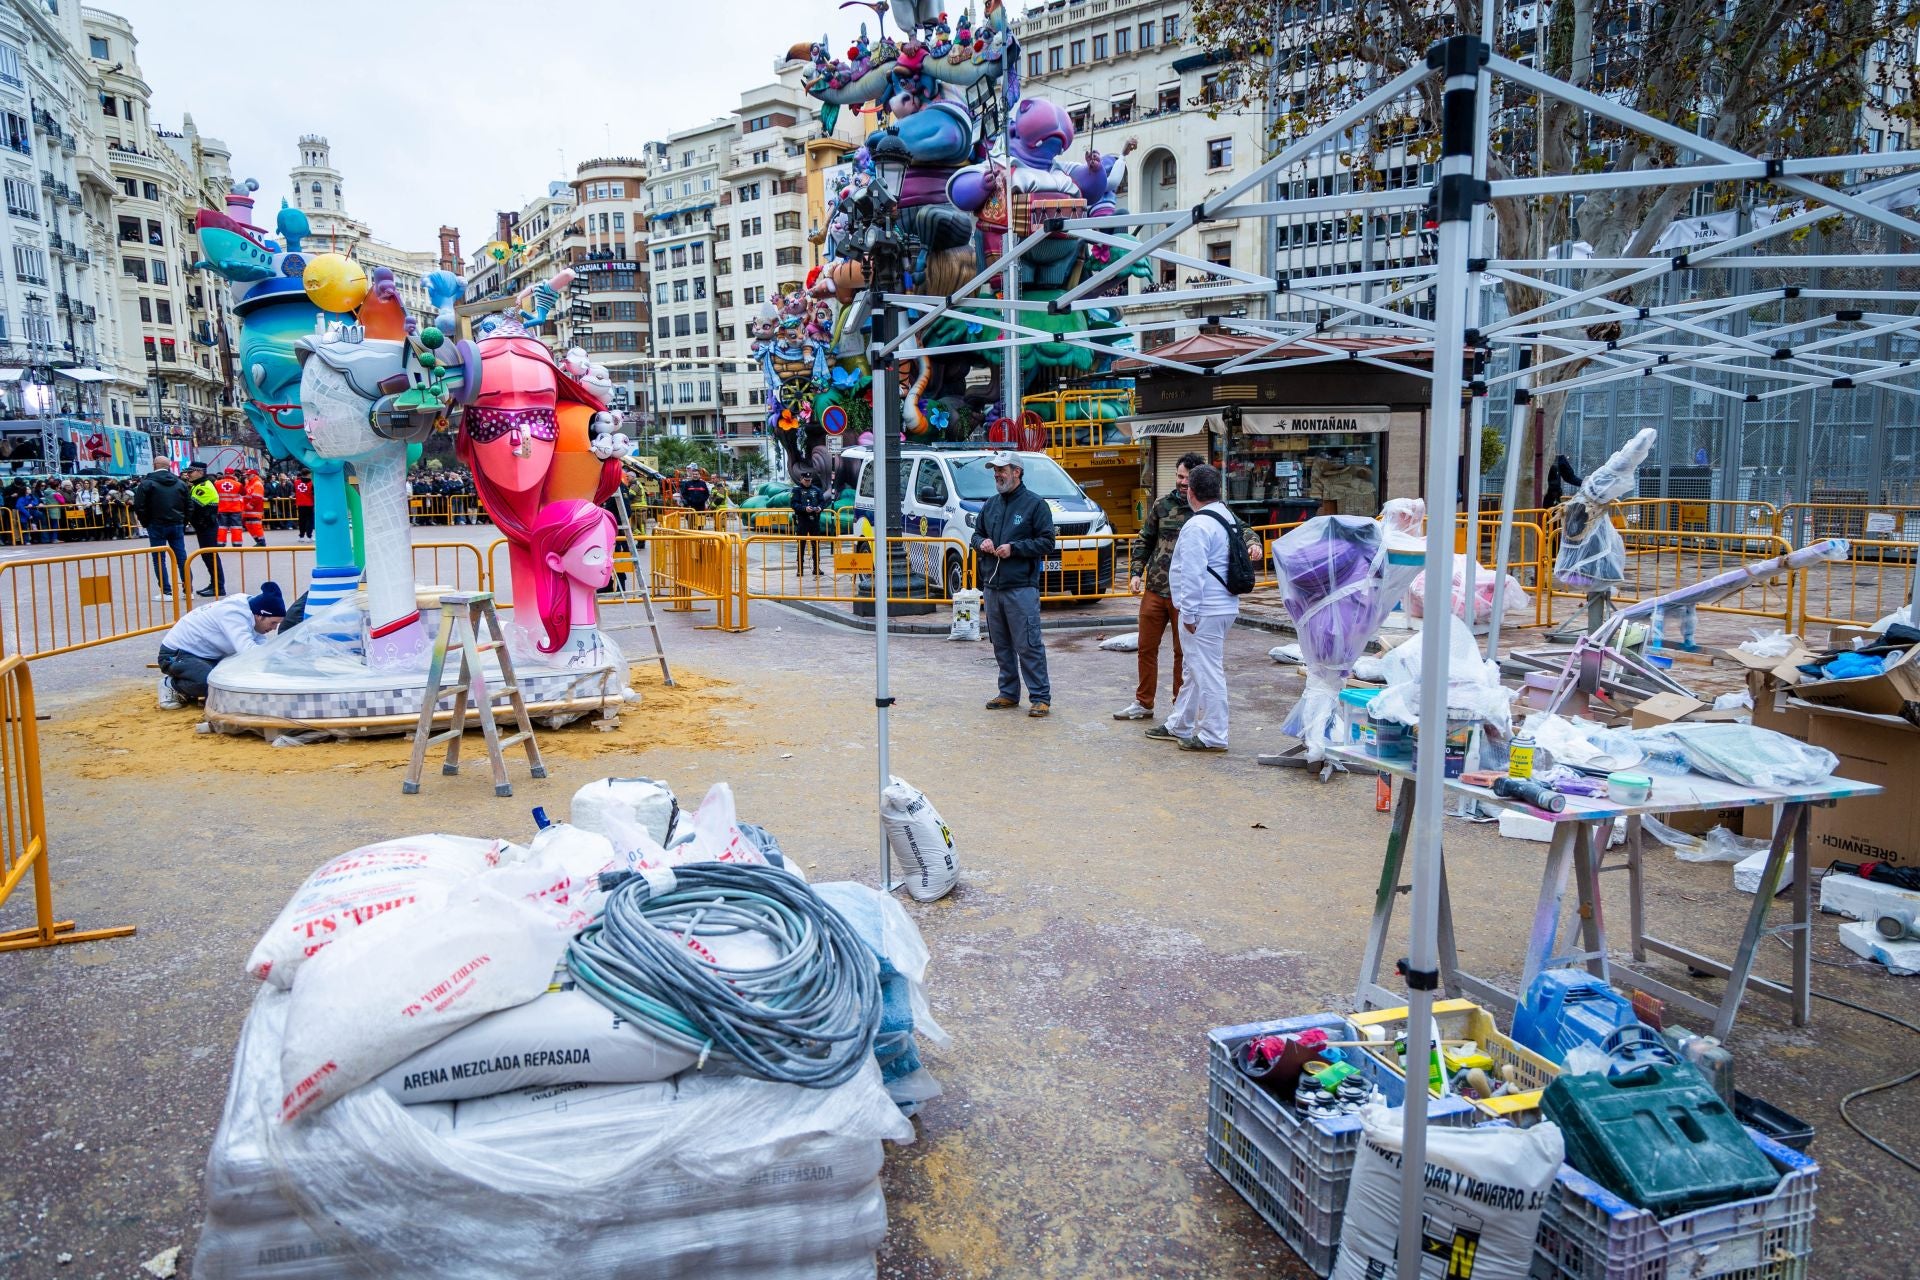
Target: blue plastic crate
[(1588, 1233), (1293, 1170)]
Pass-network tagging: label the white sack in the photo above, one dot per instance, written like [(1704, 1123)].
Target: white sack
[(716, 832), (966, 615), (920, 839), (343, 893), (1485, 1188), (562, 1037), (1128, 643), (737, 1178), (497, 1113), (608, 807), (396, 986)]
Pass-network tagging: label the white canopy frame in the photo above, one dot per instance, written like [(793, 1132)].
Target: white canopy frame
[(1673, 342)]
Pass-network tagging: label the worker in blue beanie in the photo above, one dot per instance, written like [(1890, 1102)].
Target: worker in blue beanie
[(197, 643)]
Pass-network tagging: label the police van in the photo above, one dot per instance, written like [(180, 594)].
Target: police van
[(947, 486)]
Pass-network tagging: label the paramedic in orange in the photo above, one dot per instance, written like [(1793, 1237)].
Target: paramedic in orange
[(231, 509), (256, 508)]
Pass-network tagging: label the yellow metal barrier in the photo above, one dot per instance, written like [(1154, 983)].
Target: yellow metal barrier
[(10, 531), (1870, 583), (57, 604), (243, 569), (782, 567), (451, 564), (281, 513), (1698, 515), (691, 568), (1658, 562), (1804, 522), (23, 820), (1082, 567)]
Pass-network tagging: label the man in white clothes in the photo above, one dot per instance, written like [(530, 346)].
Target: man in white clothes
[(1206, 610)]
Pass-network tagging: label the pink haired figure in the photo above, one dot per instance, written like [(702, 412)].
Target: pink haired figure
[(572, 553)]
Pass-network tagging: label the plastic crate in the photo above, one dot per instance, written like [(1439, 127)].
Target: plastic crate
[(1293, 1170), (1465, 1020), (1588, 1233)]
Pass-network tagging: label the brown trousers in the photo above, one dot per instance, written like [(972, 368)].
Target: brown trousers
[(1157, 614)]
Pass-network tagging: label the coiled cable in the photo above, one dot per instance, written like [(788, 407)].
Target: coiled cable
[(808, 1018)]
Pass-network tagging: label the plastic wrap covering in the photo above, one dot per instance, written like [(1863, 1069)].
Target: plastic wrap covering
[(1474, 691), (1513, 602), (327, 647), (1619, 475), (1339, 586), (1592, 553), (889, 932), (722, 1178), (1740, 753)]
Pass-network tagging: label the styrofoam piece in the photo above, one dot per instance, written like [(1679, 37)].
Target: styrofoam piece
[(1516, 825), (1746, 873), (1868, 900), (1901, 958)]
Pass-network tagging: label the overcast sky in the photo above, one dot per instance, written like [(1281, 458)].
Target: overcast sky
[(442, 111)]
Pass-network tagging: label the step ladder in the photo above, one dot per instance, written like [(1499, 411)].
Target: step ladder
[(643, 595), (460, 617)]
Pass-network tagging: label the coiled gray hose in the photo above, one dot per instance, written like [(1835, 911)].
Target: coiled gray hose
[(809, 1018)]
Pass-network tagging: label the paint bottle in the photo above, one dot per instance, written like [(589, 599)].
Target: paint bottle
[(1520, 755)]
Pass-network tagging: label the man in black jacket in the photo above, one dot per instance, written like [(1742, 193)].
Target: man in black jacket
[(160, 503), (1014, 537), (808, 500)]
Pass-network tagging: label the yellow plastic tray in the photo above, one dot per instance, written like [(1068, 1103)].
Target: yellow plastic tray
[(1465, 1020)]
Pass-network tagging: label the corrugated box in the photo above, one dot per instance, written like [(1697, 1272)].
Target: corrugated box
[(1878, 749), (1894, 692)]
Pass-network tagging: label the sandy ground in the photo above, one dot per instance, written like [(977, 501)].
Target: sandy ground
[(1118, 898)]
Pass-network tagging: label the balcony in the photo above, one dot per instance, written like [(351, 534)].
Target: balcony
[(46, 179)]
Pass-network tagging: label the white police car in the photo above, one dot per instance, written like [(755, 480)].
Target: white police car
[(947, 486)]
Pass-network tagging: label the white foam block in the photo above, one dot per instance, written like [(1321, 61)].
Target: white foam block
[(1901, 958), (1747, 871), (1524, 826), (1859, 899)]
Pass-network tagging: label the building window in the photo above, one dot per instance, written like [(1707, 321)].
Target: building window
[(663, 327), (747, 191), (129, 188), (163, 311), (699, 253), (10, 67), (135, 268), (619, 222), (1170, 28), (167, 352), (109, 106), (1169, 172), (1056, 58), (1146, 35), (1120, 110), (682, 326), (659, 259), (617, 190), (679, 290), (1220, 253), (786, 257), (1033, 64), (23, 200), (626, 311), (18, 136), (789, 221), (660, 293), (1078, 115), (155, 236), (699, 322), (316, 190), (97, 48), (130, 230), (1122, 38), (1099, 47), (723, 266), (751, 227), (1169, 99), (725, 333), (150, 191), (723, 299), (679, 255), (159, 271), (146, 311), (699, 288), (1077, 52), (1220, 153)]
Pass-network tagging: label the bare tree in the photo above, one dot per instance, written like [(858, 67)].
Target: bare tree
[(1766, 77)]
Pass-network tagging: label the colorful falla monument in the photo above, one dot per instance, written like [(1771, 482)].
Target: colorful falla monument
[(337, 378)]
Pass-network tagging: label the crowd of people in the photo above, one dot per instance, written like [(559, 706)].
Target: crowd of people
[(450, 497), (1186, 570), (67, 510)]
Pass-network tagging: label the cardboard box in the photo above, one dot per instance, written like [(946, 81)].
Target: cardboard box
[(1878, 749), (1894, 692)]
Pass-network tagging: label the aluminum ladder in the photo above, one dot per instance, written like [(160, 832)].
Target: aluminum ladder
[(643, 594), (460, 617)]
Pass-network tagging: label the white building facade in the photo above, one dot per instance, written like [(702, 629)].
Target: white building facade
[(686, 191)]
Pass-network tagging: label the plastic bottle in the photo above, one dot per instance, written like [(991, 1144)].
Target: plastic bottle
[(1520, 755), (1708, 1056)]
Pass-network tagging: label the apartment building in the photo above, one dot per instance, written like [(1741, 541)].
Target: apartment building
[(605, 244), (763, 229), (56, 300), (319, 189), (686, 189)]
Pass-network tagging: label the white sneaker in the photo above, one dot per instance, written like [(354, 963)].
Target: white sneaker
[(1134, 711), (169, 700), (164, 595)]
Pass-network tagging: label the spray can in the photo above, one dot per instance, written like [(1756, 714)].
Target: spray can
[(1520, 755)]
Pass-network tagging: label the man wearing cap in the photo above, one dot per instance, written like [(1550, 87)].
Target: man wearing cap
[(808, 500), (1013, 538), (197, 643)]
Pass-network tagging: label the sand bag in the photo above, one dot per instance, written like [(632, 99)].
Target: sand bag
[(344, 893), (606, 808), (1485, 1188), (920, 840), (562, 1037), (397, 985), (966, 615), (716, 833)]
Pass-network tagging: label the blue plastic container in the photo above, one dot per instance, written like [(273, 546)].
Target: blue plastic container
[(1566, 1007)]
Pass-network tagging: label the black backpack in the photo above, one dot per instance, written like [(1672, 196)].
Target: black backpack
[(1239, 579)]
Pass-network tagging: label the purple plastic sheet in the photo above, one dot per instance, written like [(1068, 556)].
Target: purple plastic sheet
[(1339, 586)]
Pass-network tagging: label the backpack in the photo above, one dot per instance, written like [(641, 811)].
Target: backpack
[(1239, 578)]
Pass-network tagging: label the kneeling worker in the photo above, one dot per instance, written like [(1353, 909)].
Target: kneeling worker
[(194, 646)]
